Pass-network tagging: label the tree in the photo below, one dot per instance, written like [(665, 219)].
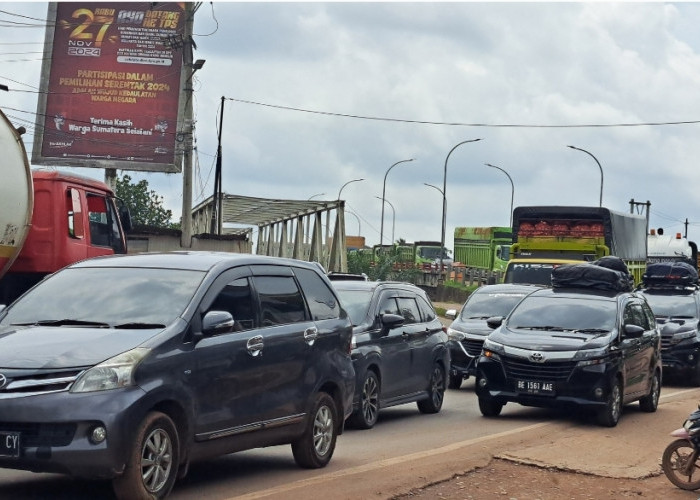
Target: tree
[(146, 206)]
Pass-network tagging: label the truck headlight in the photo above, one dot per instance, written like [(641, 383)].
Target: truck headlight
[(455, 335), (689, 334), (111, 374)]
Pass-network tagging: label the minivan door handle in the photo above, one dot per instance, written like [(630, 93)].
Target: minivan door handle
[(310, 335), (255, 346)]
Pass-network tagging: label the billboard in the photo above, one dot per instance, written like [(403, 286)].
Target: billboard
[(110, 86)]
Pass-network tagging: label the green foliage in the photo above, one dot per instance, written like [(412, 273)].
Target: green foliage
[(384, 267), (146, 206), (460, 286)]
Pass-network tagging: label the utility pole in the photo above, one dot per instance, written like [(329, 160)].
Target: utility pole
[(187, 128), (217, 202)]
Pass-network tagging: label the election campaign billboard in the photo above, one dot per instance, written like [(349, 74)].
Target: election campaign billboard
[(110, 86)]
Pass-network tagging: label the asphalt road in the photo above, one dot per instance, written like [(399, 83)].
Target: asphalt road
[(406, 449)]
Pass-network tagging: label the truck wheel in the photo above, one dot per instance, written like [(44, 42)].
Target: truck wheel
[(152, 464), (610, 414), (315, 447), (366, 415), (650, 402), (489, 407), (454, 381), (436, 391)]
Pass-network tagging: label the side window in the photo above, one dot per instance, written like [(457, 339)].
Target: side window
[(409, 310), (426, 310), (650, 316), (99, 223), (281, 302), (322, 303), (634, 315), (388, 306), (75, 214), (237, 299)]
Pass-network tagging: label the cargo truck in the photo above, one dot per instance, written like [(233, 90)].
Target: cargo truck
[(486, 248), (548, 236), (50, 219)]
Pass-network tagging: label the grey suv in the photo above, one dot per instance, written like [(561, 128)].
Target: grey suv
[(399, 350), (131, 367)]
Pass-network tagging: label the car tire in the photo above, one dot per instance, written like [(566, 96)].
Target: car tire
[(650, 402), (315, 447), (436, 391), (489, 407), (367, 414), (454, 381), (609, 415), (152, 464)]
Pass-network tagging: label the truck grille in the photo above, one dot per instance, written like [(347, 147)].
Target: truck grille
[(32, 382), (523, 369)]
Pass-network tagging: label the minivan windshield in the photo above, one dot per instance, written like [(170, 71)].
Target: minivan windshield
[(564, 313), (673, 306), (486, 305), (109, 297), (356, 303)]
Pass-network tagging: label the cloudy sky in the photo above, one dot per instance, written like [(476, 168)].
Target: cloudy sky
[(385, 82)]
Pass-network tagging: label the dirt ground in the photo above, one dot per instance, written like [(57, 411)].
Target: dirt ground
[(503, 479), (506, 479)]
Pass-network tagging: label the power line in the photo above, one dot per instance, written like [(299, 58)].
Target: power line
[(461, 124)]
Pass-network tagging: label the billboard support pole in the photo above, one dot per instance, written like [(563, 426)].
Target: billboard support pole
[(186, 219)]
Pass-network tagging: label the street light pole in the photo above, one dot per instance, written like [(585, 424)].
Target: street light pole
[(315, 195), (359, 226), (343, 186), (381, 230), (601, 170), (512, 191), (393, 218), (444, 200)]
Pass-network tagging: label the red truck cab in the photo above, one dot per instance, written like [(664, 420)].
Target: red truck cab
[(73, 218)]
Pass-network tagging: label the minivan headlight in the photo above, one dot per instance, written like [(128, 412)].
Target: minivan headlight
[(490, 345), (455, 335), (111, 374), (587, 357)]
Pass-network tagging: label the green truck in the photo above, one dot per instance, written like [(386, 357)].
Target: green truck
[(486, 248), (548, 236)]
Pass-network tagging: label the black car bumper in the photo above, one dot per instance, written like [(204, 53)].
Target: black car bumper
[(464, 356), (587, 386)]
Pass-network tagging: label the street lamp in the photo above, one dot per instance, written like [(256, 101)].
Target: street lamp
[(393, 217), (343, 186), (601, 170), (435, 187), (359, 226), (512, 190), (314, 196), (381, 230), (444, 199)]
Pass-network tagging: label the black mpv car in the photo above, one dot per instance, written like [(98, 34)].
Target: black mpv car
[(674, 295), (131, 367), (468, 331), (573, 347), (399, 349)]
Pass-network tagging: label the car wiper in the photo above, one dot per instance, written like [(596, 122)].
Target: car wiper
[(546, 328), (64, 322), (135, 325), (591, 330), (479, 317)]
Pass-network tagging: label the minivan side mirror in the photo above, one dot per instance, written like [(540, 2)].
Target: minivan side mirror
[(633, 331), (451, 313), (390, 321), (217, 322), (494, 321)]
